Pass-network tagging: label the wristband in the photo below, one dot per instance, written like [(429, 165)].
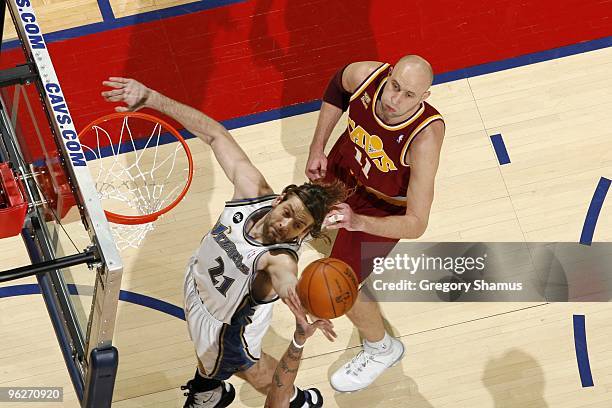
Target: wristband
[(297, 345)]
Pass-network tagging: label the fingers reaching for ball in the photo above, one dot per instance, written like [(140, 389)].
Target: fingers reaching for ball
[(327, 328), (301, 320)]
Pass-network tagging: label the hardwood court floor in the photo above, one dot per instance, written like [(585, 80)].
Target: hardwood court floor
[(553, 117)]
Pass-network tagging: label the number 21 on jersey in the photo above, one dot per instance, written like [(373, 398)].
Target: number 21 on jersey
[(216, 273)]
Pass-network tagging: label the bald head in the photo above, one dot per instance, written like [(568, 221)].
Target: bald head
[(417, 69), (406, 88)]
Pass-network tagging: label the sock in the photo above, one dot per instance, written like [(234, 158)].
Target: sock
[(382, 346), (204, 384), (298, 399)]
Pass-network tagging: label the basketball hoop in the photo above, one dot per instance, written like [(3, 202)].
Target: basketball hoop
[(139, 170)]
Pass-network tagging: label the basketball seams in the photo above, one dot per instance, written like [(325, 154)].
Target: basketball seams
[(310, 303), (302, 289), (329, 292), (325, 289), (350, 285), (330, 262)]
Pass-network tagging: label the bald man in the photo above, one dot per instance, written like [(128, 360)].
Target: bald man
[(389, 154)]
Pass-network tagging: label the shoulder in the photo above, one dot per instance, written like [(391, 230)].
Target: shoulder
[(434, 131), (279, 259), (428, 143), (357, 72)]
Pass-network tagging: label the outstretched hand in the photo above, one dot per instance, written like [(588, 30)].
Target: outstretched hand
[(126, 90), (302, 326), (342, 216)]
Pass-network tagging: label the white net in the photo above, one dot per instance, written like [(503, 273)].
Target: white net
[(135, 175)]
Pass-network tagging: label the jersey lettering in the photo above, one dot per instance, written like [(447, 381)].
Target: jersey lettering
[(373, 147), (218, 233), (365, 167)]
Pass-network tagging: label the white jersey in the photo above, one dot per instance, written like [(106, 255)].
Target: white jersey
[(225, 264)]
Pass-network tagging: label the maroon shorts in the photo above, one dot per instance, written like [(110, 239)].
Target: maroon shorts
[(347, 246)]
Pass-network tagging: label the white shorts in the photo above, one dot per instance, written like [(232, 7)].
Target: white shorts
[(224, 349)]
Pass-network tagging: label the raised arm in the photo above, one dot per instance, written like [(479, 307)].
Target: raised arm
[(282, 269), (335, 101), (247, 180)]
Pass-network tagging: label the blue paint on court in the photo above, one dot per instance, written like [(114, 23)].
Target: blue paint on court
[(275, 114), (19, 290), (106, 10), (588, 229), (500, 149), (152, 303), (124, 295), (582, 354), (523, 60)]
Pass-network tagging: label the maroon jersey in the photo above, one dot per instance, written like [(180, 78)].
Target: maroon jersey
[(371, 154)]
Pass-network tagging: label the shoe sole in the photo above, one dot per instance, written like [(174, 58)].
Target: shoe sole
[(363, 388)]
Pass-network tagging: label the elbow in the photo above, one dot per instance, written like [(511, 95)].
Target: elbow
[(212, 133), (419, 233), (415, 229), (415, 234)]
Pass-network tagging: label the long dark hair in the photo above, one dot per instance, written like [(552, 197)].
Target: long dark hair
[(318, 198)]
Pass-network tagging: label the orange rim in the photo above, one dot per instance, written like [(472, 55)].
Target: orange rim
[(143, 219)]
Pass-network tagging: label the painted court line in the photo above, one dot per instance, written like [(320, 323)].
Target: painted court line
[(588, 229), (124, 295), (106, 10), (582, 354), (500, 149)]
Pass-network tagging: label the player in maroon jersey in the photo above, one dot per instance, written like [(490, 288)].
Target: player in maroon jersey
[(389, 153)]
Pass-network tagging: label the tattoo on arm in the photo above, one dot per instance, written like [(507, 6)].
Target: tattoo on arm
[(277, 380), (294, 353), (283, 378), (285, 367)]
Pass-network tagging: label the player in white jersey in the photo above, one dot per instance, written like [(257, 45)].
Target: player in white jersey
[(248, 259)]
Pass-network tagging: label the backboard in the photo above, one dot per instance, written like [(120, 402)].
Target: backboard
[(66, 231)]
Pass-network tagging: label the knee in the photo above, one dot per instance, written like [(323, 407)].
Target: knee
[(363, 308), (260, 384), (259, 376), (357, 314), (353, 312)]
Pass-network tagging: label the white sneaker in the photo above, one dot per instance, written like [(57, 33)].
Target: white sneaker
[(365, 367)]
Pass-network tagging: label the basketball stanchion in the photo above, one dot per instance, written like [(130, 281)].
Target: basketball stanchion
[(13, 204), (142, 168)]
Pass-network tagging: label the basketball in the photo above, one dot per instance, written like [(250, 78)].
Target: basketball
[(327, 288)]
